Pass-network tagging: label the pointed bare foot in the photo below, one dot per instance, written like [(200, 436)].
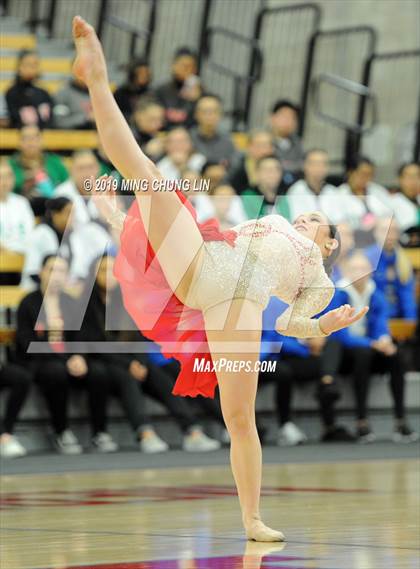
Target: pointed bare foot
[(89, 65), (256, 530)]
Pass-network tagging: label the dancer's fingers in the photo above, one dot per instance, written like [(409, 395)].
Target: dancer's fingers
[(359, 315)]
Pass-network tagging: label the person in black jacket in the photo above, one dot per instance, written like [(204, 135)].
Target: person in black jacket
[(180, 94), (28, 104), (137, 84), (45, 326), (131, 375)]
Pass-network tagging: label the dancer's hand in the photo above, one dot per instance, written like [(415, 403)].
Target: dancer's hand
[(89, 65), (340, 318)]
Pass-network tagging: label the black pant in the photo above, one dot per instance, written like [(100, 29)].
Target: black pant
[(102, 380), (116, 381), (291, 369), (158, 384), (55, 383), (360, 363), (207, 405), (18, 380)]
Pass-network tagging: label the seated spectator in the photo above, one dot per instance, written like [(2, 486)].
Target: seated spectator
[(366, 347), (346, 249), (55, 234), (299, 361), (17, 380), (284, 123), (312, 193), (207, 405), (221, 203), (147, 123), (137, 84), (102, 319), (243, 174), (393, 273), (131, 376), (46, 316), (28, 104), (72, 108), (361, 200), (36, 172), (207, 136), (406, 203), (84, 166), (268, 194), (179, 155), (16, 217), (214, 173), (179, 95)]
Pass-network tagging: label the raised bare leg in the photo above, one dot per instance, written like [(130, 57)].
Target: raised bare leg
[(170, 227), (237, 395)]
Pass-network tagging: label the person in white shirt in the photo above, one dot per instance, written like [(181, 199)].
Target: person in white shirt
[(360, 199), (222, 203), (179, 155), (79, 246), (83, 167), (312, 192), (406, 203), (16, 217)]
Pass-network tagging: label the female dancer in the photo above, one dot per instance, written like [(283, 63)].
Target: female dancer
[(220, 282)]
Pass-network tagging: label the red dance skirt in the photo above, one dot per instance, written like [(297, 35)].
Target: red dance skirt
[(158, 313)]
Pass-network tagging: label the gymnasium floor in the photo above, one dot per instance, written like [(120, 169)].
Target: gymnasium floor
[(340, 507)]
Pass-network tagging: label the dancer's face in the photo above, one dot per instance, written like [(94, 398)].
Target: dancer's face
[(315, 226)]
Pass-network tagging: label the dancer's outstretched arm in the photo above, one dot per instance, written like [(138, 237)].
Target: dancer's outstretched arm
[(116, 136)]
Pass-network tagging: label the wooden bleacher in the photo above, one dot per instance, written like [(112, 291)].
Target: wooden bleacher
[(401, 329), (414, 255), (11, 262), (53, 139), (75, 139), (50, 85), (17, 41), (10, 296), (47, 64)]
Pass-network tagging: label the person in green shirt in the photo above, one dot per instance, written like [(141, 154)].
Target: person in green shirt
[(37, 173), (267, 196)]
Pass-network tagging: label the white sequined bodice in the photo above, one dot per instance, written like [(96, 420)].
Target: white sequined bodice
[(270, 258)]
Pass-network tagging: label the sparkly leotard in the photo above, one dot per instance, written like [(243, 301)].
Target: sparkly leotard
[(270, 258), (254, 260)]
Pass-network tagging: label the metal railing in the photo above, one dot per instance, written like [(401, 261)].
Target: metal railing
[(40, 17), (241, 81), (288, 49), (394, 117), (328, 53)]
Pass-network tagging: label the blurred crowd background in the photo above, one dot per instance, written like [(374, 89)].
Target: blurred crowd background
[(242, 132)]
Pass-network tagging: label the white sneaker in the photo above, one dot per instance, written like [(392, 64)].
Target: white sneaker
[(12, 448), (66, 443), (291, 435), (103, 442), (152, 443), (197, 441)]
